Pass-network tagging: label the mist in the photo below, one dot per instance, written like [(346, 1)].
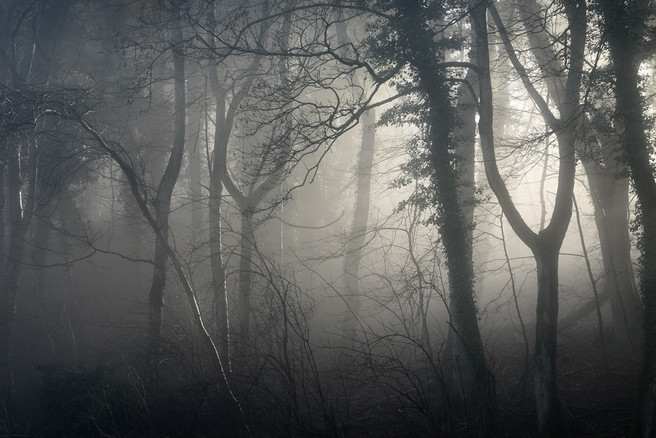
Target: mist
[(342, 219)]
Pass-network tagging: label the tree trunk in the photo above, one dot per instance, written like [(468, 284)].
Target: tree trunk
[(221, 315), (624, 25), (464, 137), (610, 198), (20, 217), (155, 305), (357, 236), (163, 207), (246, 245), (40, 237), (546, 325), (195, 120), (608, 190), (3, 222), (545, 245), (477, 380)]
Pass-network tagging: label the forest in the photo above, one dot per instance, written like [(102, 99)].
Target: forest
[(327, 218)]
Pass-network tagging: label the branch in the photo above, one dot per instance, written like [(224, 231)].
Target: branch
[(542, 105)]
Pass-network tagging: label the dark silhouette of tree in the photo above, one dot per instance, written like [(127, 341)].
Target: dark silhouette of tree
[(626, 27), (27, 46), (546, 244), (162, 203), (424, 48)]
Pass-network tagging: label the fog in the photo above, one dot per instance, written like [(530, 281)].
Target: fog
[(235, 219)]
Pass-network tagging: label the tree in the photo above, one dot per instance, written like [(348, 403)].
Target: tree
[(426, 55), (608, 186), (162, 203), (546, 244), (357, 236), (23, 72), (625, 26), (248, 202)]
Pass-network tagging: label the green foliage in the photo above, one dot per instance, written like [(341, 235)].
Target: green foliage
[(396, 42)]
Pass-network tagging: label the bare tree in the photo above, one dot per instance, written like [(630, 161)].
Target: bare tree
[(608, 186), (357, 236), (546, 244), (162, 203), (32, 25)]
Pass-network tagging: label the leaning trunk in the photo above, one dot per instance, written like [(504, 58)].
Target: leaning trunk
[(218, 269)]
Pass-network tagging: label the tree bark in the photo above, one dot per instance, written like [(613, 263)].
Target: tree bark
[(546, 332), (610, 198), (546, 244), (19, 221), (624, 27), (609, 190), (162, 209), (221, 309), (246, 245), (357, 236), (477, 379)]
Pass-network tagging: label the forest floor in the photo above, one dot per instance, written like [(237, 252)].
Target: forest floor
[(598, 398), (598, 395)]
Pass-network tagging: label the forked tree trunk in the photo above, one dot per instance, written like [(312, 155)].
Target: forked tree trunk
[(609, 191), (246, 202), (546, 244)]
